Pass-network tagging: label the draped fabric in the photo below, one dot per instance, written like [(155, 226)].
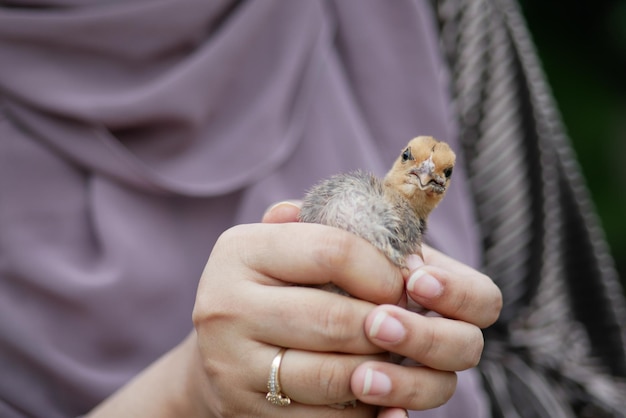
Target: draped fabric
[(558, 349), (132, 133)]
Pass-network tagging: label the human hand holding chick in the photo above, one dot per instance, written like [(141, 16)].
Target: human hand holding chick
[(254, 299), (248, 308), (466, 299)]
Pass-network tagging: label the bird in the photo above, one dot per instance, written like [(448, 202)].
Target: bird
[(391, 213)]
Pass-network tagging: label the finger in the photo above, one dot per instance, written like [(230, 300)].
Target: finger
[(317, 378), (439, 343), (455, 290), (413, 388), (331, 323), (310, 319), (285, 316), (286, 211), (313, 254), (307, 378)]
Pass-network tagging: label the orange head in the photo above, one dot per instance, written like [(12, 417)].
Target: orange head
[(422, 173)]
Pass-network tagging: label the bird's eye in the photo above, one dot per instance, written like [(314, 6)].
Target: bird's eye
[(406, 155), (447, 172)]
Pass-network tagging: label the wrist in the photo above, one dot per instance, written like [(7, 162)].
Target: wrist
[(170, 387), (189, 391)]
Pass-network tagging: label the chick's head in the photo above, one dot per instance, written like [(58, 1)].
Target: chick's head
[(422, 173)]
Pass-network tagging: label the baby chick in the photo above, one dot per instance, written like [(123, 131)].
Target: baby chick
[(390, 213)]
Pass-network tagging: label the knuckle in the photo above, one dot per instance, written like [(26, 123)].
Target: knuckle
[(231, 242), (233, 234), (433, 392), (479, 303), (334, 379), (390, 287), (457, 347), (448, 387), (226, 246), (462, 304), (430, 341), (336, 326), (201, 312), (490, 310), (213, 311), (335, 250), (215, 317), (496, 307), (474, 344)]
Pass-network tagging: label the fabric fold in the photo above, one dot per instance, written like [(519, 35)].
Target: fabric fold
[(169, 112)]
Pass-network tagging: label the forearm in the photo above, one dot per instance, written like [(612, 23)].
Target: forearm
[(165, 389)]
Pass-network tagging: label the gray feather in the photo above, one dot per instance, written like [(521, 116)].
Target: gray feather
[(359, 202)]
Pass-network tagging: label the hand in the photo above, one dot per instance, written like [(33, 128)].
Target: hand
[(247, 308), (467, 301), (247, 293)]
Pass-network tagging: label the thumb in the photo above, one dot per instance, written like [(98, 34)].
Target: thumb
[(286, 211)]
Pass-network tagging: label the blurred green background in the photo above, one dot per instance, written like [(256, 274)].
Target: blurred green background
[(582, 45)]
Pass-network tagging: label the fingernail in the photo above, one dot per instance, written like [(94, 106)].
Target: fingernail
[(284, 202), (376, 383), (386, 328), (425, 285), (413, 262)]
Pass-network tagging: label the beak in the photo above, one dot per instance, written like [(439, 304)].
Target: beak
[(426, 177), (424, 180)]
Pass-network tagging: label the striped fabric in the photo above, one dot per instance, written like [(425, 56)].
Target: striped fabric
[(558, 349)]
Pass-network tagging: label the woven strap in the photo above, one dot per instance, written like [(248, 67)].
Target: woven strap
[(558, 348)]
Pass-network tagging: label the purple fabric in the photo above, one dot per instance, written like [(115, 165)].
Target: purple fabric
[(133, 133)]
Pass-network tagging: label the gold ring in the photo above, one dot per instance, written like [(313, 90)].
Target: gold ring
[(274, 396)]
